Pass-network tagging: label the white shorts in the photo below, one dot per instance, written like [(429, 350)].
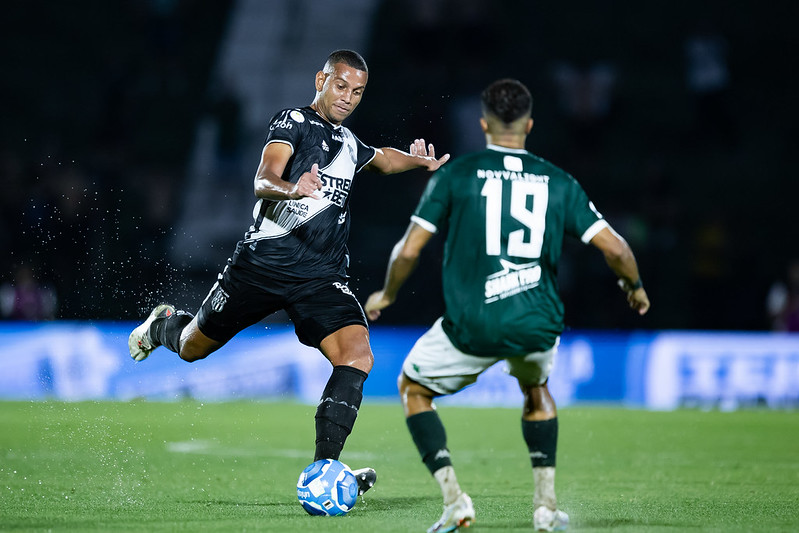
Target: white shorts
[(438, 365)]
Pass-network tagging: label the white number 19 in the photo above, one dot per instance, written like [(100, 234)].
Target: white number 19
[(534, 220)]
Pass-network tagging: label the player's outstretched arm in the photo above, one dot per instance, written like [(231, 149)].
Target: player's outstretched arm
[(420, 155), (403, 261), (619, 257), (269, 183)]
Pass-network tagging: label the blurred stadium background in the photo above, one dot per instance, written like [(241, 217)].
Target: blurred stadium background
[(131, 131)]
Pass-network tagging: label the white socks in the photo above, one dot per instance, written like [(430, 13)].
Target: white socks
[(544, 478), (449, 484)]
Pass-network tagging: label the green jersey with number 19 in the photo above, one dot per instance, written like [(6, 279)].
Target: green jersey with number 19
[(507, 211)]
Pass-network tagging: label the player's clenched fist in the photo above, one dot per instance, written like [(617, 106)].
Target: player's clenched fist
[(309, 184)]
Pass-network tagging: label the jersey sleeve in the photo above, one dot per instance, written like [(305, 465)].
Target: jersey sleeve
[(582, 219), (365, 154), (434, 206), (287, 126)]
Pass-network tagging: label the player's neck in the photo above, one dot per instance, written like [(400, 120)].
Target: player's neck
[(507, 141), (322, 115)]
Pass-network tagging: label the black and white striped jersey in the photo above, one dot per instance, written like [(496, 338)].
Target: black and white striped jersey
[(307, 238)]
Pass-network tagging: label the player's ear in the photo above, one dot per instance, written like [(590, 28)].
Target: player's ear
[(483, 125), (529, 126), (319, 81)]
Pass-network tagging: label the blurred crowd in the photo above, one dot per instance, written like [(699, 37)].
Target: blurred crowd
[(103, 101), (665, 124)]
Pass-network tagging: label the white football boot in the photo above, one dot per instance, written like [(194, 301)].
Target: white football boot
[(139, 343), (545, 519), (458, 514), (366, 479)]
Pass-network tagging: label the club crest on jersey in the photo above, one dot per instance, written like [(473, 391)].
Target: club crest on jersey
[(511, 280), (325, 147), (219, 300)]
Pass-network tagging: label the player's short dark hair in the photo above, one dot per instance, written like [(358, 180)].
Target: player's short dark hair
[(507, 99), (349, 58)]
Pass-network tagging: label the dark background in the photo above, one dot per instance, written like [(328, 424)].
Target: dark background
[(101, 101)]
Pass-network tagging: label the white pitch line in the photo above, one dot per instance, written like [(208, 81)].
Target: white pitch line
[(206, 447), (209, 447)]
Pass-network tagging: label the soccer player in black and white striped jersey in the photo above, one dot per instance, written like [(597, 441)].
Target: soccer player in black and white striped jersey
[(294, 256)]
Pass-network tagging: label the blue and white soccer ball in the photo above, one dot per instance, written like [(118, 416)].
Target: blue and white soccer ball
[(327, 487)]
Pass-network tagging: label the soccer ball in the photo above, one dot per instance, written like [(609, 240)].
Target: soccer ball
[(327, 487)]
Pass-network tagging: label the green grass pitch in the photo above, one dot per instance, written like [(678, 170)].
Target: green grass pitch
[(189, 466)]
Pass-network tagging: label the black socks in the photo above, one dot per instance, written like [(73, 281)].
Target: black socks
[(337, 410), (430, 438), (166, 331), (541, 437)]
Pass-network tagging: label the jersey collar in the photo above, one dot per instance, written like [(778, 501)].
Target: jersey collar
[(334, 126), (505, 149)]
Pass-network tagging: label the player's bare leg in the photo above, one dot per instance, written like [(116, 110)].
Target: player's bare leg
[(194, 344), (349, 352), (430, 437), (540, 430), (416, 398), (349, 346)]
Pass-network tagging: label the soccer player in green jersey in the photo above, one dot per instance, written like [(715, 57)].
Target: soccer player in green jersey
[(507, 212)]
